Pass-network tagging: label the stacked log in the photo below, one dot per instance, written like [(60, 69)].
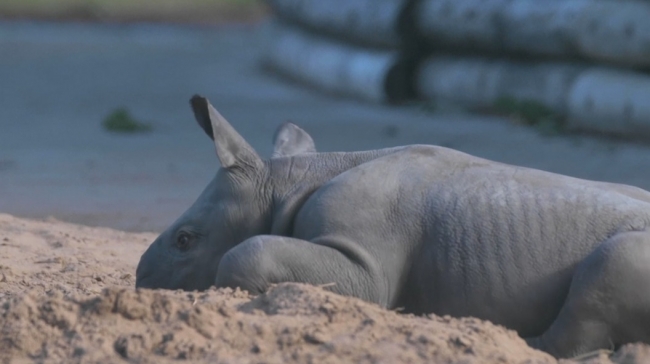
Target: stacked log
[(480, 82), (610, 31), (584, 60), (337, 68), (367, 22), (345, 47), (611, 101)]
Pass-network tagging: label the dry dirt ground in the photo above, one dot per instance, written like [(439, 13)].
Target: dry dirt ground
[(67, 295)]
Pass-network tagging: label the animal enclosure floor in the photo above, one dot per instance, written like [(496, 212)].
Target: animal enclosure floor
[(66, 295)]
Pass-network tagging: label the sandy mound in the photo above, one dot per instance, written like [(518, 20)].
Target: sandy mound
[(66, 294), (292, 323)]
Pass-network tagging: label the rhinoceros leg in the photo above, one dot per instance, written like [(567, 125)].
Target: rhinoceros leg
[(263, 260), (609, 300)]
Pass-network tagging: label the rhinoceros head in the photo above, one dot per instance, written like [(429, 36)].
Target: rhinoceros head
[(234, 206)]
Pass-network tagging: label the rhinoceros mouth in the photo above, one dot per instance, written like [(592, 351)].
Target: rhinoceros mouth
[(142, 281), (143, 277)]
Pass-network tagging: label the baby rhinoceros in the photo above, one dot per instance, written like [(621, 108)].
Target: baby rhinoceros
[(563, 261)]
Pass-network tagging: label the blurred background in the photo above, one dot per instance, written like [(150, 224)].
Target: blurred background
[(95, 124)]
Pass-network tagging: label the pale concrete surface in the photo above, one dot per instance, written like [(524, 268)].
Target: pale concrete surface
[(57, 82)]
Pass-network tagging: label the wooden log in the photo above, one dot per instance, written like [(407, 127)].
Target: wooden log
[(459, 23), (611, 101), (481, 82), (602, 30), (589, 98), (367, 22), (370, 74)]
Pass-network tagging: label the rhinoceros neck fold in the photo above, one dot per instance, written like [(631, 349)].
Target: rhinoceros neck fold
[(295, 178)]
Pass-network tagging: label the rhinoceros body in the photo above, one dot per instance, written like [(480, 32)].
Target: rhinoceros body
[(563, 261)]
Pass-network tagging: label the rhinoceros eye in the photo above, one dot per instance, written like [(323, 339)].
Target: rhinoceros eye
[(183, 241)]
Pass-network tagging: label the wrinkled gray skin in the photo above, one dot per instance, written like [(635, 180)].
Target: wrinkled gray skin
[(563, 261)]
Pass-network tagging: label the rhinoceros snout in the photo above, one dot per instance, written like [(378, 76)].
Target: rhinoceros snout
[(143, 280), (145, 272), (143, 277)]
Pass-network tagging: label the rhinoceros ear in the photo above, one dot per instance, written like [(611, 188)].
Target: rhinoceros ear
[(232, 149), (289, 140)]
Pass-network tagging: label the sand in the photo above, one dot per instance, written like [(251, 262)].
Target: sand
[(67, 295)]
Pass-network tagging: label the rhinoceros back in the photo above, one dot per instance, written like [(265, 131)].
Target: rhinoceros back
[(502, 242)]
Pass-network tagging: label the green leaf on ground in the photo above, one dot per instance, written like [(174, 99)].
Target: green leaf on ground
[(121, 121), (530, 112)]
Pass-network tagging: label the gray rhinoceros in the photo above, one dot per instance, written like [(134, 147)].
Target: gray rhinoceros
[(563, 261)]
